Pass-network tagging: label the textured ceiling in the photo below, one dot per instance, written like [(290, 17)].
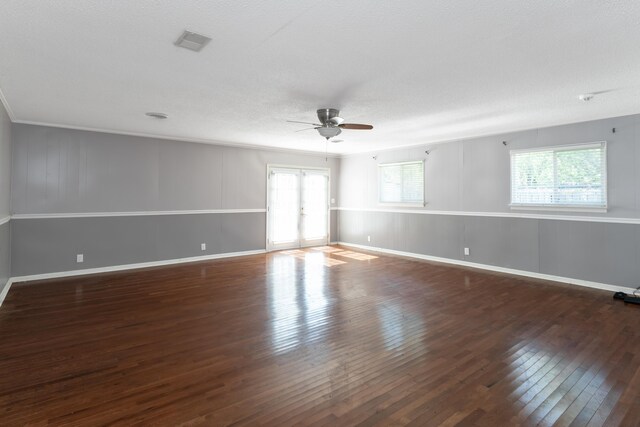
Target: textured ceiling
[(419, 71)]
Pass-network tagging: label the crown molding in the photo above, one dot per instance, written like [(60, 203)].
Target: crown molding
[(177, 138), (7, 108)]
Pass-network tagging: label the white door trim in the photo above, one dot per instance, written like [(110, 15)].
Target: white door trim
[(272, 166)]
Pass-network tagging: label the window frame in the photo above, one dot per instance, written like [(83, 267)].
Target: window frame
[(401, 204), (563, 207)]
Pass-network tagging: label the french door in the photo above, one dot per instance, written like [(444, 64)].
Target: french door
[(297, 207)]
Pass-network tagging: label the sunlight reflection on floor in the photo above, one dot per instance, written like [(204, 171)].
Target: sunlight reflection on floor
[(313, 257), (327, 249), (298, 307), (319, 255), (355, 255)]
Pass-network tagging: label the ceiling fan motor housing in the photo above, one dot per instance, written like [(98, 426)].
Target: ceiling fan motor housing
[(331, 124), (326, 114)]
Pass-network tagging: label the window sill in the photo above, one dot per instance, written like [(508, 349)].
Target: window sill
[(560, 208)]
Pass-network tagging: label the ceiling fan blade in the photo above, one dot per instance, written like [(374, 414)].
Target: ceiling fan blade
[(301, 130), (304, 123), (355, 126)]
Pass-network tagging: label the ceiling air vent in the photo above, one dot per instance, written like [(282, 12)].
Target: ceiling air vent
[(192, 41)]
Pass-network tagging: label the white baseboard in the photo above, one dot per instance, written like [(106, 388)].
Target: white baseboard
[(579, 282), (131, 266), (60, 274), (5, 290)]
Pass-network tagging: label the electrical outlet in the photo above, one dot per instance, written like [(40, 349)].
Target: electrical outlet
[(466, 252), (368, 238), (80, 258), (333, 201), (203, 246)]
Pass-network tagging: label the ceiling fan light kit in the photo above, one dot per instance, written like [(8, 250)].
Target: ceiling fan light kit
[(329, 132), (331, 124)]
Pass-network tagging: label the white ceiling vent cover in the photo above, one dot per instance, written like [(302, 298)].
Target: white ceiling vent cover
[(192, 41)]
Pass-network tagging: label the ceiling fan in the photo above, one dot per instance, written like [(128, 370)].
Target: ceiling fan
[(331, 124)]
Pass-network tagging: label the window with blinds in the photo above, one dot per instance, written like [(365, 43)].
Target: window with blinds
[(572, 176), (401, 183)]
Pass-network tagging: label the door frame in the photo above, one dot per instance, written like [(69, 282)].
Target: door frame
[(301, 168)]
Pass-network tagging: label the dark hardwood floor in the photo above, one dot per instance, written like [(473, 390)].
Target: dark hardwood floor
[(325, 336)]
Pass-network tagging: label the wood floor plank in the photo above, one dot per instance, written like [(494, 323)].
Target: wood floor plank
[(324, 336)]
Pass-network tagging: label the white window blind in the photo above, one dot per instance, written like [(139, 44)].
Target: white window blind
[(401, 183), (566, 176)]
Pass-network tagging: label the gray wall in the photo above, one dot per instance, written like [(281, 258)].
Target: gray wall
[(62, 170), (69, 171), (50, 245), (5, 163), (472, 176), (5, 192)]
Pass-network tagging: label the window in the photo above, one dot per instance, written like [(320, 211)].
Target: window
[(401, 183), (572, 176)]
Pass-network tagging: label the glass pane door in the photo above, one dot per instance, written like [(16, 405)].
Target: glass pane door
[(297, 208), (315, 208), (284, 208)]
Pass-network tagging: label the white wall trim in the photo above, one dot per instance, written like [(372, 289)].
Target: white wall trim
[(558, 208), (135, 213), (5, 291), (262, 210), (578, 282), (321, 154), (123, 267), (502, 215)]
